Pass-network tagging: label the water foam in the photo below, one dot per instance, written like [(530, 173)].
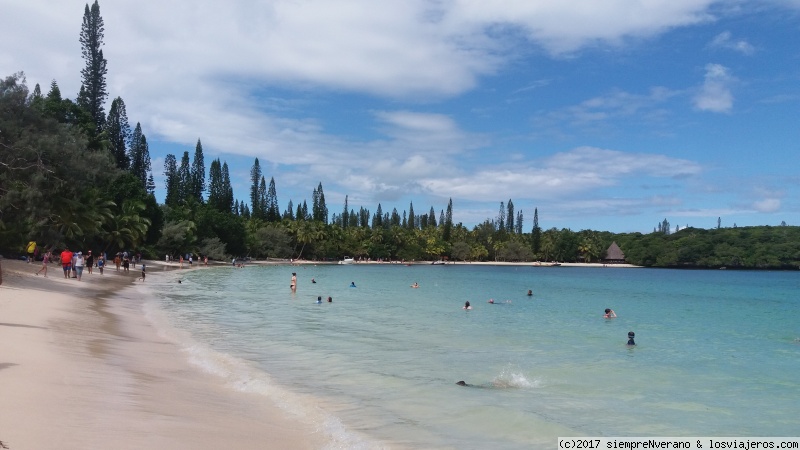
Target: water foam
[(512, 377), (242, 375)]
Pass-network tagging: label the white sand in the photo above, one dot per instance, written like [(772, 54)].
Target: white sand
[(80, 370)]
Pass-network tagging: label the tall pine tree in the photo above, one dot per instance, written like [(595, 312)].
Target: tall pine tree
[(118, 133), (273, 213), (172, 181), (185, 179), (255, 177), (448, 221), (345, 214), (93, 75), (215, 194), (139, 155), (227, 189), (510, 217), (536, 232), (198, 173)]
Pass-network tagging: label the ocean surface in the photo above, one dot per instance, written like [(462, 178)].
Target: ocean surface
[(717, 354)]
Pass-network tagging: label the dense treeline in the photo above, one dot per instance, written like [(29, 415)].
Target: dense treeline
[(70, 174), (761, 247)]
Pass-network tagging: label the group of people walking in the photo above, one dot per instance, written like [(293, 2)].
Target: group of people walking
[(74, 263)]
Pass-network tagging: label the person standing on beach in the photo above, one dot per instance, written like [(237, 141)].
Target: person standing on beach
[(89, 261), (31, 248), (293, 284), (78, 265), (143, 267), (66, 261), (101, 262)]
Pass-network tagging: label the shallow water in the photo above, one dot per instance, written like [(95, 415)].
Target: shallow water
[(717, 355)]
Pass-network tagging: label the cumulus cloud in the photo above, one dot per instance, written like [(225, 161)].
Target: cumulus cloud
[(724, 40), (715, 94), (767, 205), (562, 175)]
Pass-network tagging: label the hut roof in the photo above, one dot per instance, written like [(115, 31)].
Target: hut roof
[(614, 252)]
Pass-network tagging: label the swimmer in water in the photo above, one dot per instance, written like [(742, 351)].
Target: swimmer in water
[(491, 300), (330, 300), (352, 284), (530, 293), (467, 306), (319, 299), (631, 335), (313, 281), (609, 314), (415, 285)]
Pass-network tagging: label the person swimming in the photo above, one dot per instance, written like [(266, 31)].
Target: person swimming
[(467, 306), (631, 335), (415, 285), (319, 299), (530, 293), (491, 300), (609, 314), (330, 300), (313, 281), (352, 284)]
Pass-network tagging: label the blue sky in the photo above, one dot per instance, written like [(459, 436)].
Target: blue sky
[(607, 115)]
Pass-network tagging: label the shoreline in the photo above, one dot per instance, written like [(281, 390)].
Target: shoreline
[(300, 262), (83, 367)]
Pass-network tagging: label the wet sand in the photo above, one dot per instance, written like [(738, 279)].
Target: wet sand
[(81, 367)]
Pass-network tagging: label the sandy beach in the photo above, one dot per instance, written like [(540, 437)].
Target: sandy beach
[(82, 368)]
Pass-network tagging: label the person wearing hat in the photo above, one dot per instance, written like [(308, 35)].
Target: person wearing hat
[(89, 261), (78, 264)]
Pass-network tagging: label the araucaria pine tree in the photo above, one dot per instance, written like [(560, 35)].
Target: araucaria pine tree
[(93, 76), (273, 213), (198, 174), (184, 179), (118, 132), (255, 177), (172, 180), (139, 155)]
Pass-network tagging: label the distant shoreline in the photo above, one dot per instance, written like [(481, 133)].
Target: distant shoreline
[(447, 263)]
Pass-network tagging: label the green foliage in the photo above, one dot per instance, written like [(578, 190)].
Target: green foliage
[(177, 237)]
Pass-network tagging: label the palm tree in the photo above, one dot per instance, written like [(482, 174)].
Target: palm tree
[(308, 232), (128, 228)]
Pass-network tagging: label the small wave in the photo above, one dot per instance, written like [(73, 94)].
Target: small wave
[(241, 375), (512, 378)]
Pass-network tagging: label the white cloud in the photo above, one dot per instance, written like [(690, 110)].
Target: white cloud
[(724, 40), (715, 94), (579, 171), (767, 205), (566, 26)]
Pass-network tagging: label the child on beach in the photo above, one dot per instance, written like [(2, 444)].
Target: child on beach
[(143, 274), (45, 262), (101, 262)]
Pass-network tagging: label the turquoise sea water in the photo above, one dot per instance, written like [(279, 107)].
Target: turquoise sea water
[(718, 352)]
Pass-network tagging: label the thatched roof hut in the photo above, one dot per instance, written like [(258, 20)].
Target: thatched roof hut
[(614, 254)]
